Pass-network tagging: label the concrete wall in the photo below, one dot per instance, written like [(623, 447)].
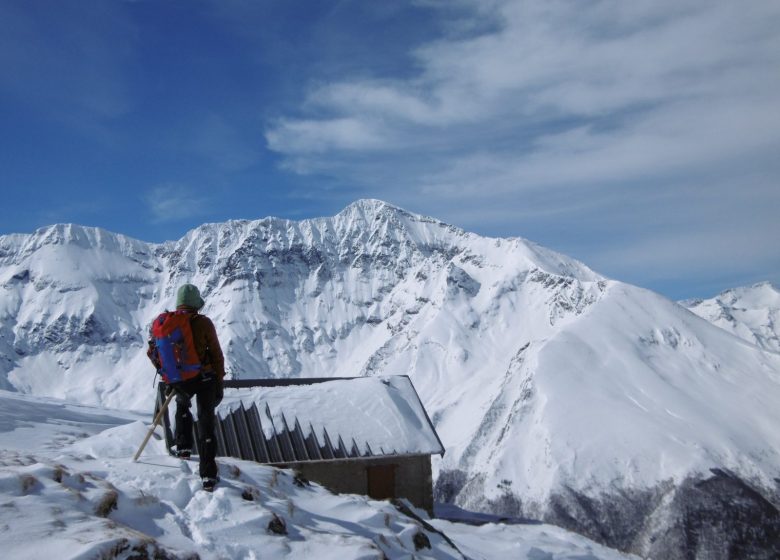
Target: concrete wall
[(413, 477)]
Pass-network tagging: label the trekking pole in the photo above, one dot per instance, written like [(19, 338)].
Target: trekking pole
[(157, 419)]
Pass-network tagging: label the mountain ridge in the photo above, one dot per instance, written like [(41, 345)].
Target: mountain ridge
[(548, 383), (751, 313)]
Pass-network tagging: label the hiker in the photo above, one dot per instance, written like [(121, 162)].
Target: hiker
[(200, 376)]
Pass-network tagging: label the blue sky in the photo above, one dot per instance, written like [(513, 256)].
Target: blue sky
[(639, 137)]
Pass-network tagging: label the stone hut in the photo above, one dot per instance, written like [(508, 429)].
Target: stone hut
[(362, 435)]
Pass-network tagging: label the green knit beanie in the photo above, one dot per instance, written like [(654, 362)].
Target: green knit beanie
[(190, 296)]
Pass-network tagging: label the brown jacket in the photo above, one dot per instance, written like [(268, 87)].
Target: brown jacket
[(207, 345)]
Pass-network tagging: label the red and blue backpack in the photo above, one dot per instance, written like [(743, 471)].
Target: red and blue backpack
[(177, 359)]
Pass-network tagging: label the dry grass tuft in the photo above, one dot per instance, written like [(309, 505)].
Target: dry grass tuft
[(108, 503), (28, 482)]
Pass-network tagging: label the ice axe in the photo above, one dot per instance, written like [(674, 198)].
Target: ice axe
[(157, 419)]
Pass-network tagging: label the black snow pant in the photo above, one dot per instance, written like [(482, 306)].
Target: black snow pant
[(204, 388)]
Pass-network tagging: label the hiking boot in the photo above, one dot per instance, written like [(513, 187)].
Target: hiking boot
[(209, 483), (183, 453)]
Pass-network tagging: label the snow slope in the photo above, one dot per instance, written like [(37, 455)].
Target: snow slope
[(549, 385), (751, 313), (69, 489)]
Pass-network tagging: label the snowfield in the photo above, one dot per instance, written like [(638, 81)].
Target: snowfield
[(69, 490), (558, 394)]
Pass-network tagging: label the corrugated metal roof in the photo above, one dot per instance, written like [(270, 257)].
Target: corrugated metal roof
[(282, 421)]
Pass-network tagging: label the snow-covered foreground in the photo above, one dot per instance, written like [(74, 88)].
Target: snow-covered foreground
[(69, 489)]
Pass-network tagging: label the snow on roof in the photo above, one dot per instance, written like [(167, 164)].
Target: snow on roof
[(322, 419)]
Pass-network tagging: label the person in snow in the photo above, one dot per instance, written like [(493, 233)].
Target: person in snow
[(206, 387)]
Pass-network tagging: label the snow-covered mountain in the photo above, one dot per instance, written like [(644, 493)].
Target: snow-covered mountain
[(558, 393), (749, 312)]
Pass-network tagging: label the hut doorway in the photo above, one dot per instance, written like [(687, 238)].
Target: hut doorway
[(381, 481)]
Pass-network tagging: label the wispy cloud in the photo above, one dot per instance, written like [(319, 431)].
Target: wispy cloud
[(174, 202), (579, 104), (320, 136), (214, 137), (611, 67)]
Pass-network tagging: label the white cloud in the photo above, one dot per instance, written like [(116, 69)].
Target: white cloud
[(374, 98), (634, 70), (717, 252), (318, 136), (172, 202), (214, 137), (566, 103)]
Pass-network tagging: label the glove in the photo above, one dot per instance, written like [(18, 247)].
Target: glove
[(219, 393)]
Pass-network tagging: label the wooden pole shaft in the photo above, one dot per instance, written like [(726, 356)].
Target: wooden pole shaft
[(157, 419)]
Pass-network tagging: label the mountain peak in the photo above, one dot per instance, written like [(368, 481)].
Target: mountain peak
[(371, 209), (749, 312), (371, 204)]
